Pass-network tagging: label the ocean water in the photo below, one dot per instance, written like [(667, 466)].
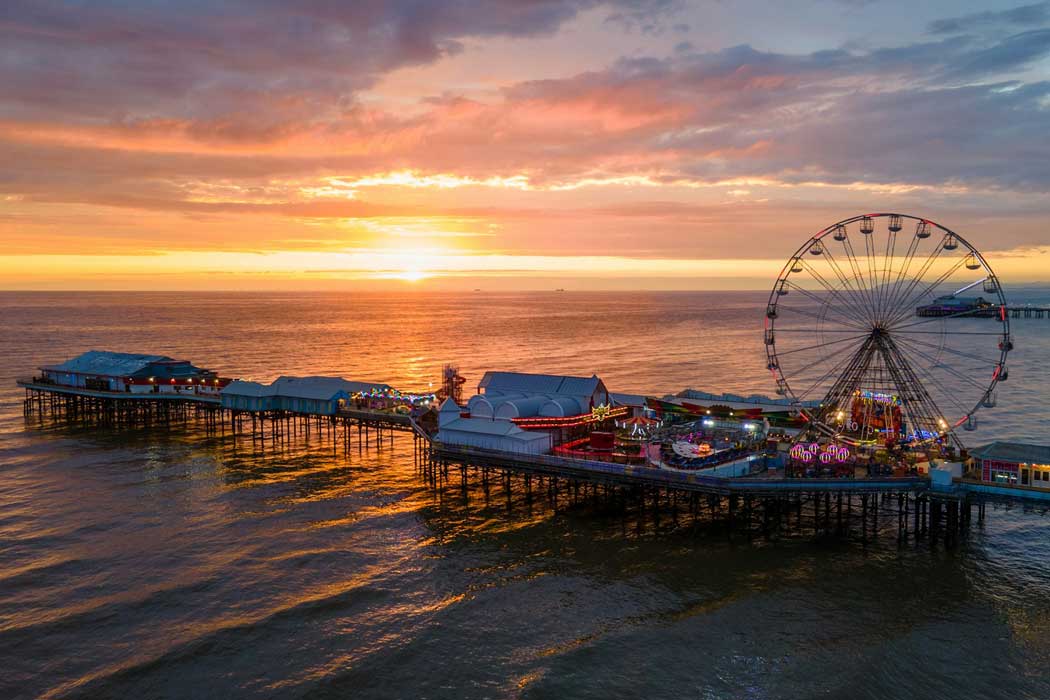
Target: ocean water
[(174, 564)]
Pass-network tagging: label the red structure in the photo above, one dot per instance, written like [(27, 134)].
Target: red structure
[(603, 441)]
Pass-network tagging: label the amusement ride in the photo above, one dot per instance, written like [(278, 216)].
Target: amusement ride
[(869, 337)]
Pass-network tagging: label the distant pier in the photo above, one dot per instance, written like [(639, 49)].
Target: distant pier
[(1028, 311)]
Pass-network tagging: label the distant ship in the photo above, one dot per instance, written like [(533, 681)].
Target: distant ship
[(559, 289)]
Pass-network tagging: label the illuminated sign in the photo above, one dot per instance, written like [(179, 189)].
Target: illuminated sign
[(879, 397)]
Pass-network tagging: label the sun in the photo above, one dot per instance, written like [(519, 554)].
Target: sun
[(411, 275), (411, 267)]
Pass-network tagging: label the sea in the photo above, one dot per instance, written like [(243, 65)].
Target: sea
[(176, 564)]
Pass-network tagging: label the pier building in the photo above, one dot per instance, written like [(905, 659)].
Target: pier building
[(636, 404), (1012, 463), (488, 433), (241, 395), (135, 373), (314, 395), (511, 395), (567, 407)]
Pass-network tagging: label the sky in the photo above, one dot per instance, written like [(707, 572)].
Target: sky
[(507, 144)]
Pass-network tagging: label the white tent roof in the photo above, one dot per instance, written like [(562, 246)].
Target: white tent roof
[(501, 428)]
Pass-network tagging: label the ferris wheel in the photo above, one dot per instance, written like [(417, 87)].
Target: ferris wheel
[(887, 329)]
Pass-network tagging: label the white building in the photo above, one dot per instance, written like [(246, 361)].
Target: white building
[(488, 433)]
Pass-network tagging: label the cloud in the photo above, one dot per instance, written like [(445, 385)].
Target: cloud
[(1013, 53), (268, 59), (209, 112), (1023, 16)]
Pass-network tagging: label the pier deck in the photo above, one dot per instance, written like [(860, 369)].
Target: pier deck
[(63, 389), (627, 475), (1028, 311)]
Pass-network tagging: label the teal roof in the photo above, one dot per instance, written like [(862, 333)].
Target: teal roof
[(240, 387), (104, 362), (1016, 452)]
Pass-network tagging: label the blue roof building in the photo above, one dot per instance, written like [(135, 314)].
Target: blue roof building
[(105, 370), (511, 395), (312, 395)]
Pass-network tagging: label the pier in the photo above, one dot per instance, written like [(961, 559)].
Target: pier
[(1028, 311), (118, 410), (751, 507), (515, 429)]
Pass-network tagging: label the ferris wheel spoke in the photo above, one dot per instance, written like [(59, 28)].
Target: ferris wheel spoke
[(866, 277), (819, 317), (862, 283), (810, 331), (902, 273), (936, 363), (880, 275), (995, 333), (921, 274), (822, 302), (821, 345), (869, 253), (983, 360), (891, 247), (831, 290), (855, 294), (848, 350), (870, 277), (905, 307)]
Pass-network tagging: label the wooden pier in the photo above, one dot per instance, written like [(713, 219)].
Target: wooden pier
[(750, 506), (1028, 311), (116, 410)]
